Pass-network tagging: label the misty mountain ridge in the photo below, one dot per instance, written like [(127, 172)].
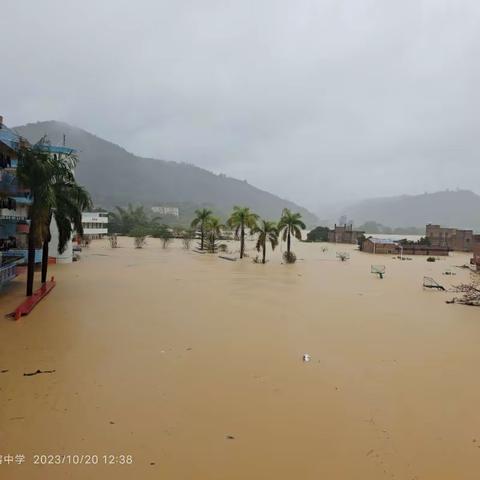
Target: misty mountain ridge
[(114, 176), (450, 208)]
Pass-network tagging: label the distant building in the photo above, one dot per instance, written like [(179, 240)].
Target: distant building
[(173, 211), (344, 234), (95, 224), (391, 247), (453, 238), (379, 245)]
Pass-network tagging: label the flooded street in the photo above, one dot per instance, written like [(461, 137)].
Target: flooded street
[(193, 365)]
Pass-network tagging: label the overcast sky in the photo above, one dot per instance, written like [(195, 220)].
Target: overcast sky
[(314, 100)]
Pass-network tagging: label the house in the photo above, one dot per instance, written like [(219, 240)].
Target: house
[(344, 234), (379, 245), (453, 238), (391, 247)]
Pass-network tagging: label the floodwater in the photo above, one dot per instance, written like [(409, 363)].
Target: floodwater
[(193, 365)]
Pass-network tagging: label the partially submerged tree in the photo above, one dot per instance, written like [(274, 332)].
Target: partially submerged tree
[(113, 240), (187, 237), (470, 291), (202, 217), (213, 232), (290, 224), (267, 233), (55, 194), (139, 237), (240, 219)]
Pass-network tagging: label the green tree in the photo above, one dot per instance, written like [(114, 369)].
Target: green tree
[(55, 194), (242, 218), (267, 233), (213, 231), (290, 224), (202, 217), (124, 220)]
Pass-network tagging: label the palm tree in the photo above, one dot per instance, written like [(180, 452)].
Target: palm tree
[(240, 219), (290, 224), (201, 219), (124, 220), (213, 229), (55, 194), (267, 233)]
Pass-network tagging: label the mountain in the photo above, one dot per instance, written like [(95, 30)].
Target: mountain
[(459, 208), (114, 176)]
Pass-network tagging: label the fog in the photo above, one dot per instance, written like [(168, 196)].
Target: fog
[(317, 101)]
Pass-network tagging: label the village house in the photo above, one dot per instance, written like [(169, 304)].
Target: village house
[(344, 234), (379, 245), (453, 238), (391, 247)]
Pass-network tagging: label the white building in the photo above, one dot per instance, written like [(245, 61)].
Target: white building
[(95, 224), (166, 211)]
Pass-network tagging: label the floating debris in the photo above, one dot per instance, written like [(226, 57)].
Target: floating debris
[(229, 437), (306, 357), (38, 372)]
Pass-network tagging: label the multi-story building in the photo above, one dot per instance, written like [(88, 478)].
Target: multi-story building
[(15, 201), (453, 238), (95, 224), (344, 234), (174, 211)]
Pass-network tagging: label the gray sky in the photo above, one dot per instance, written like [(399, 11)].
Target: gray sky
[(315, 100)]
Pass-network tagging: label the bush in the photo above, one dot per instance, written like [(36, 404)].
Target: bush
[(139, 237), (289, 257), (431, 259), (318, 234), (140, 241)]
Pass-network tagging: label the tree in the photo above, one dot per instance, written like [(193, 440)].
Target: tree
[(240, 219), (318, 234), (187, 237), (203, 216), (267, 233), (55, 194), (139, 235), (213, 230), (124, 220), (290, 224)]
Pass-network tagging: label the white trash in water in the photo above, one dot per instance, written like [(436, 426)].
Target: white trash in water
[(306, 357)]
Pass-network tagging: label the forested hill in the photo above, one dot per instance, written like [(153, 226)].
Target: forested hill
[(454, 208), (116, 177)]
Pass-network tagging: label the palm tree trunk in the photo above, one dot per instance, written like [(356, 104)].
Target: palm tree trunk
[(264, 251), (45, 251), (44, 260), (202, 234), (288, 242), (31, 259), (242, 241)]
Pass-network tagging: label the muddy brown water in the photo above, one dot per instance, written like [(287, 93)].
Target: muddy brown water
[(193, 365)]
